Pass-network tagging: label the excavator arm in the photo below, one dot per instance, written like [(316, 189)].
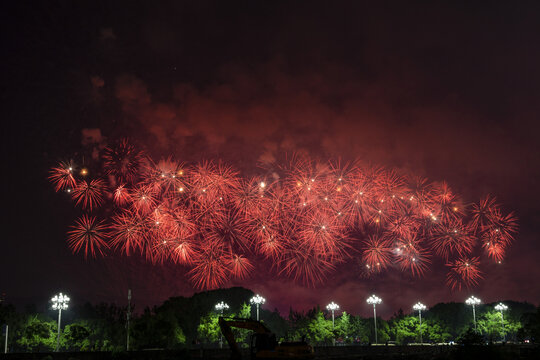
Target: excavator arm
[(226, 325), (263, 342)]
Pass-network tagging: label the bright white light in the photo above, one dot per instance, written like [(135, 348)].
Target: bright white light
[(257, 299), (60, 302), (473, 301), (262, 184), (222, 306), (332, 306), (419, 306), (373, 300), (501, 307)]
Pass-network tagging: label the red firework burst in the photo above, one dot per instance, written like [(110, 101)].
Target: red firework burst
[(377, 254), (228, 228), (211, 268), (122, 161), (143, 199), (240, 266), (89, 193), (452, 237), (411, 256), (121, 195), (127, 232), (464, 272), (62, 176), (309, 217), (88, 235), (306, 266), (483, 212)]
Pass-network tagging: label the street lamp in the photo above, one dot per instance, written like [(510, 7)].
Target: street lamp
[(60, 302), (220, 307), (333, 307), (419, 307), (473, 301), (374, 300), (257, 300), (501, 307)]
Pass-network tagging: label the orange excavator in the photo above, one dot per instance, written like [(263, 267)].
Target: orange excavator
[(263, 343)]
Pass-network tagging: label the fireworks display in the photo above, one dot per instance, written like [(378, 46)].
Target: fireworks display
[(300, 222)]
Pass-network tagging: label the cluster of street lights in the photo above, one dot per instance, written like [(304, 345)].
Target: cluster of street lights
[(221, 306), (60, 302), (333, 307), (258, 300), (473, 301), (501, 307)]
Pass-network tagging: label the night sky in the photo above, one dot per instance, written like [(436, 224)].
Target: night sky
[(447, 91)]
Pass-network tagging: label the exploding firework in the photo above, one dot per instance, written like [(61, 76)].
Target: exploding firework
[(300, 223), (463, 272), (62, 176), (88, 235)]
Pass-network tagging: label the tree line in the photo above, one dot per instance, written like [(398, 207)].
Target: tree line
[(182, 322)]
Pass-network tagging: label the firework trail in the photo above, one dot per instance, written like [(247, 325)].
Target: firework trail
[(301, 224)]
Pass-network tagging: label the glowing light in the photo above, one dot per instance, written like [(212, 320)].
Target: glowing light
[(221, 306), (59, 302), (501, 307), (473, 301), (374, 300), (258, 300)]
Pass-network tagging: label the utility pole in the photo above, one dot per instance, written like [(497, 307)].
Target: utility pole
[(128, 315), (5, 343)]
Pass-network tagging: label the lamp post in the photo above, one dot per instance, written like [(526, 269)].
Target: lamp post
[(374, 300), (60, 302), (258, 300), (128, 316), (333, 307), (473, 301), (501, 307), (220, 307), (419, 307)]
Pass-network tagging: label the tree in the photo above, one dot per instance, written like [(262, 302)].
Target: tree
[(343, 328), (15, 321), (531, 326), (76, 337), (489, 324), (435, 331), (208, 329), (157, 330), (38, 335), (471, 337), (320, 330), (405, 329)]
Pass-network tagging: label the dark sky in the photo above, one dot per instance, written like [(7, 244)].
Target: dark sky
[(446, 90)]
